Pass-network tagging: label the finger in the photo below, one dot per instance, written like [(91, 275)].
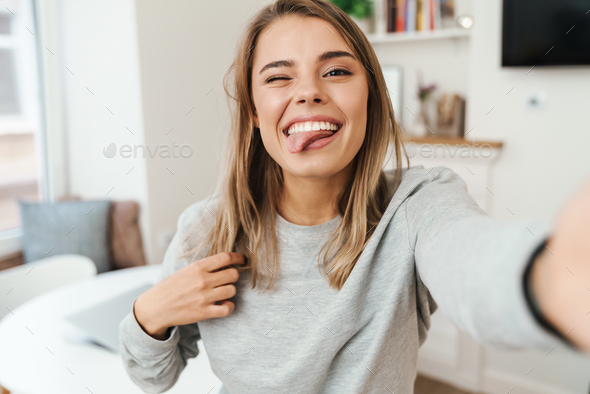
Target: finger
[(220, 260), (223, 277), (221, 293), (224, 308)]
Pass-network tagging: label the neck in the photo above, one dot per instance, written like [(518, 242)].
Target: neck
[(312, 201)]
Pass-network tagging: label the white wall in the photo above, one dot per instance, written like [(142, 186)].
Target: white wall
[(99, 46), (543, 160), (545, 155)]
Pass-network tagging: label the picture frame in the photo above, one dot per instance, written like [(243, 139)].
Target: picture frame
[(393, 74)]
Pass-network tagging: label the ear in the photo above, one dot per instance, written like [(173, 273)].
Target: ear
[(255, 118)]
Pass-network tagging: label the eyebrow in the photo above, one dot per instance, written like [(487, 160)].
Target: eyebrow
[(291, 63)]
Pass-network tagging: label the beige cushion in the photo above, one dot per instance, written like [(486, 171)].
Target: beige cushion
[(126, 241)]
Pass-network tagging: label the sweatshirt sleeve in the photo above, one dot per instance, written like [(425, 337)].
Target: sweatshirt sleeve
[(473, 264), (155, 365)]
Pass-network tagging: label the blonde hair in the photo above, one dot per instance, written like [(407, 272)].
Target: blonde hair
[(250, 187)]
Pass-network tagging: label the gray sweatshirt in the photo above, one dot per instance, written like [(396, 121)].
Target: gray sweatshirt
[(434, 248)]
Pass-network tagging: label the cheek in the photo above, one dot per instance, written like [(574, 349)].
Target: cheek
[(353, 103), (270, 106), (269, 138), (271, 142), (358, 101)]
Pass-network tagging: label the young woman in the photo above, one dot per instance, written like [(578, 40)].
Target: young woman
[(310, 269)]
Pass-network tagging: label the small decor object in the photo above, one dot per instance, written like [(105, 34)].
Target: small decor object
[(423, 125), (447, 13), (79, 227), (451, 116), (361, 11)]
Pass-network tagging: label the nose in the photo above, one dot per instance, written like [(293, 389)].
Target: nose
[(309, 90)]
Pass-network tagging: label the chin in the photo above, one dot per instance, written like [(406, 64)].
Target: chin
[(314, 167)]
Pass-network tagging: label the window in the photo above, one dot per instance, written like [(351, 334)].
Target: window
[(20, 121)]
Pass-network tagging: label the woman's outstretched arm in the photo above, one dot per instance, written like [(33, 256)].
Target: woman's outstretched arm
[(560, 275), (473, 264)]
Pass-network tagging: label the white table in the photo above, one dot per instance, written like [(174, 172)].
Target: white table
[(36, 359)]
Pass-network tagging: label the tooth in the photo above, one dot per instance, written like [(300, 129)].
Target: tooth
[(309, 126)]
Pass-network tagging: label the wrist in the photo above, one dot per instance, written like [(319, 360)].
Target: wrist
[(148, 325), (541, 286), (537, 284)]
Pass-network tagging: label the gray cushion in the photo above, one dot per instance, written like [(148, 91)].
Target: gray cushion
[(47, 230)]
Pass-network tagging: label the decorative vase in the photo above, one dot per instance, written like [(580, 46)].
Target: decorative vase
[(423, 121)]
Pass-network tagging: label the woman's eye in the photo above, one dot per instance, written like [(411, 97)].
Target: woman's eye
[(336, 70), (340, 70), (274, 78)]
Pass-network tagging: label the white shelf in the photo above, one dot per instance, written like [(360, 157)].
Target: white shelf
[(419, 35)]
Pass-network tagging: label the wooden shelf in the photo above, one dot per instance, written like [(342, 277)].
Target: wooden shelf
[(453, 141), (379, 38)]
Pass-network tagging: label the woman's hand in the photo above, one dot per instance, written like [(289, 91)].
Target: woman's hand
[(560, 276), (189, 295)]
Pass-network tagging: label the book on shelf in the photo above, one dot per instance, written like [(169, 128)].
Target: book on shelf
[(418, 15)]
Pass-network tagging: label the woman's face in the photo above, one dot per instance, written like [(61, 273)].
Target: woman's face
[(301, 70)]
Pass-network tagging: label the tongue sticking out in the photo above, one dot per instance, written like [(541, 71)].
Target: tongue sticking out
[(297, 141)]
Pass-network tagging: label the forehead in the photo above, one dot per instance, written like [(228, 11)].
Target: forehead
[(296, 37)]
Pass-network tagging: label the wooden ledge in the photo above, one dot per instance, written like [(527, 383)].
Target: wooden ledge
[(453, 141)]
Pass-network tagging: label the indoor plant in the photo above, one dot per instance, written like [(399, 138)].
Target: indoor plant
[(360, 11)]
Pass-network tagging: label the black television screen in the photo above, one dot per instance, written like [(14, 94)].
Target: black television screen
[(545, 32)]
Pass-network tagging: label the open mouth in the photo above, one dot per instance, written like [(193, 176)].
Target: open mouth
[(314, 139)]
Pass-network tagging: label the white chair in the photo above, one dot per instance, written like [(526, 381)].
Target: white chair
[(24, 282)]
